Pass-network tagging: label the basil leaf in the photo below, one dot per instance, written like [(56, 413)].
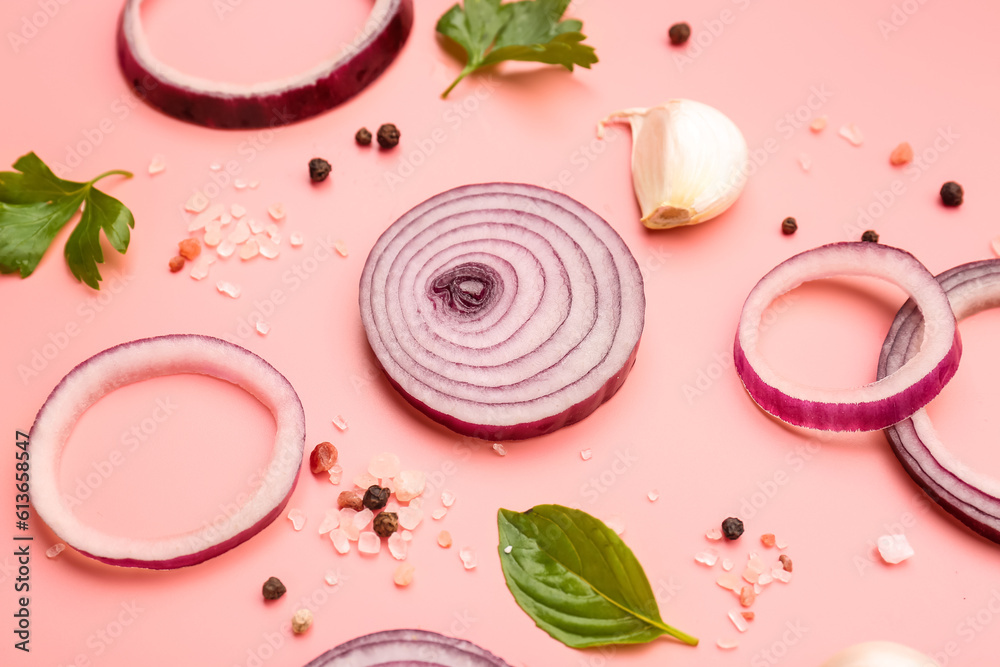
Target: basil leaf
[(577, 579)]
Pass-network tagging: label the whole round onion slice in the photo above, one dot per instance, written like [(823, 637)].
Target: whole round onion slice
[(503, 311), (973, 498), (871, 407), (407, 648), (154, 357), (269, 103)]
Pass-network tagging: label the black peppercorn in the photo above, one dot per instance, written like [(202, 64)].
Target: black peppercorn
[(788, 226), (679, 33), (952, 194), (273, 589), (385, 524), (732, 528), (319, 169), (388, 136), (363, 137), (375, 497), (870, 235)]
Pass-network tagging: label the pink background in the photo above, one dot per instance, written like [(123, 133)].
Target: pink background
[(682, 422)]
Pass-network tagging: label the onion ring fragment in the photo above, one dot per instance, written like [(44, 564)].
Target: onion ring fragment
[(407, 648)]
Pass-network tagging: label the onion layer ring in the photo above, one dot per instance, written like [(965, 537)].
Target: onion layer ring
[(154, 357), (270, 103), (973, 498), (407, 648), (872, 407)]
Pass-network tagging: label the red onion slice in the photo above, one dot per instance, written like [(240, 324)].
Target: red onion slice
[(871, 407), (270, 103), (407, 648), (154, 357), (973, 498), (503, 311)]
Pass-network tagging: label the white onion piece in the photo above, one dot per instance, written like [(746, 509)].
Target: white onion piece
[(407, 648), (970, 496), (880, 654), (873, 406), (269, 103), (154, 357), (503, 311)]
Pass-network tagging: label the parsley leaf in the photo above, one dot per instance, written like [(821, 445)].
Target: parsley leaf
[(530, 30), (35, 205)]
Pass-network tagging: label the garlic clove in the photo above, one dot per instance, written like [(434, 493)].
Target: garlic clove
[(689, 161), (880, 654)]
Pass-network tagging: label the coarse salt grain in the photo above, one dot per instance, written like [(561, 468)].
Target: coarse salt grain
[(444, 539), (340, 540), (215, 166), (225, 248), (781, 574), (409, 484), (213, 212), (781, 544), (852, 133), (398, 546), (818, 124), (213, 237), (616, 523), (364, 480), (707, 557), (901, 154), (447, 498), (229, 289), (336, 473), (499, 449), (197, 203), (653, 496), (730, 581), (295, 238), (805, 161), (727, 644), (268, 248), (239, 184), (263, 328), (199, 270), (276, 211), (410, 517), (341, 248), (302, 621), (331, 520), (764, 579), (727, 564), (507, 549), (439, 513), (586, 454), (369, 542), (332, 577), (237, 211), (747, 596), (363, 518), (253, 184), (256, 226), (767, 539), (407, 535), (385, 464), (403, 576), (240, 233), (468, 557), (55, 550), (249, 250), (297, 518), (157, 165), (714, 534), (737, 618), (340, 423), (894, 548)]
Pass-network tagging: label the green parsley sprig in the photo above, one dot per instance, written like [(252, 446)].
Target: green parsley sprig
[(35, 205), (530, 30)]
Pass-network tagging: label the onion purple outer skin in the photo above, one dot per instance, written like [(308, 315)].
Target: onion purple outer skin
[(878, 407), (407, 648), (274, 105), (972, 287), (282, 468)]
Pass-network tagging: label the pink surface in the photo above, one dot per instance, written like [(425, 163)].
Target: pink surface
[(681, 425)]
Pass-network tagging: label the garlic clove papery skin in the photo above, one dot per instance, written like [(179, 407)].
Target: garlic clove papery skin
[(689, 161), (880, 654)]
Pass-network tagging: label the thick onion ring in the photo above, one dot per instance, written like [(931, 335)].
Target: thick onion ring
[(407, 648), (973, 498), (503, 310), (874, 406), (270, 103), (155, 357)]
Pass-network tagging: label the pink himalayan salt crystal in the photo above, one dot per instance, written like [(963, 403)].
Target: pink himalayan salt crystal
[(215, 166), (388, 483), (730, 581), (416, 503), (407, 535), (779, 573), (263, 328), (256, 226), (363, 519), (369, 542), (340, 540), (332, 577), (225, 249), (714, 534), (805, 161), (727, 564), (268, 248), (240, 234), (615, 523), (410, 517), (707, 557), (403, 576), (240, 184), (276, 211), (364, 480), (439, 513), (398, 546), (764, 579), (818, 124), (737, 618), (157, 165), (272, 229), (199, 269), (55, 550), (223, 220), (447, 498), (409, 484), (237, 211), (249, 250), (781, 544), (507, 549), (340, 423), (199, 221), (747, 596), (196, 203), (852, 133), (347, 523), (893, 549), (444, 539), (331, 520), (901, 154), (586, 454), (229, 289), (297, 518), (468, 557), (384, 465), (499, 449), (391, 506), (341, 248), (296, 239), (253, 184), (653, 496), (727, 644), (213, 237)]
